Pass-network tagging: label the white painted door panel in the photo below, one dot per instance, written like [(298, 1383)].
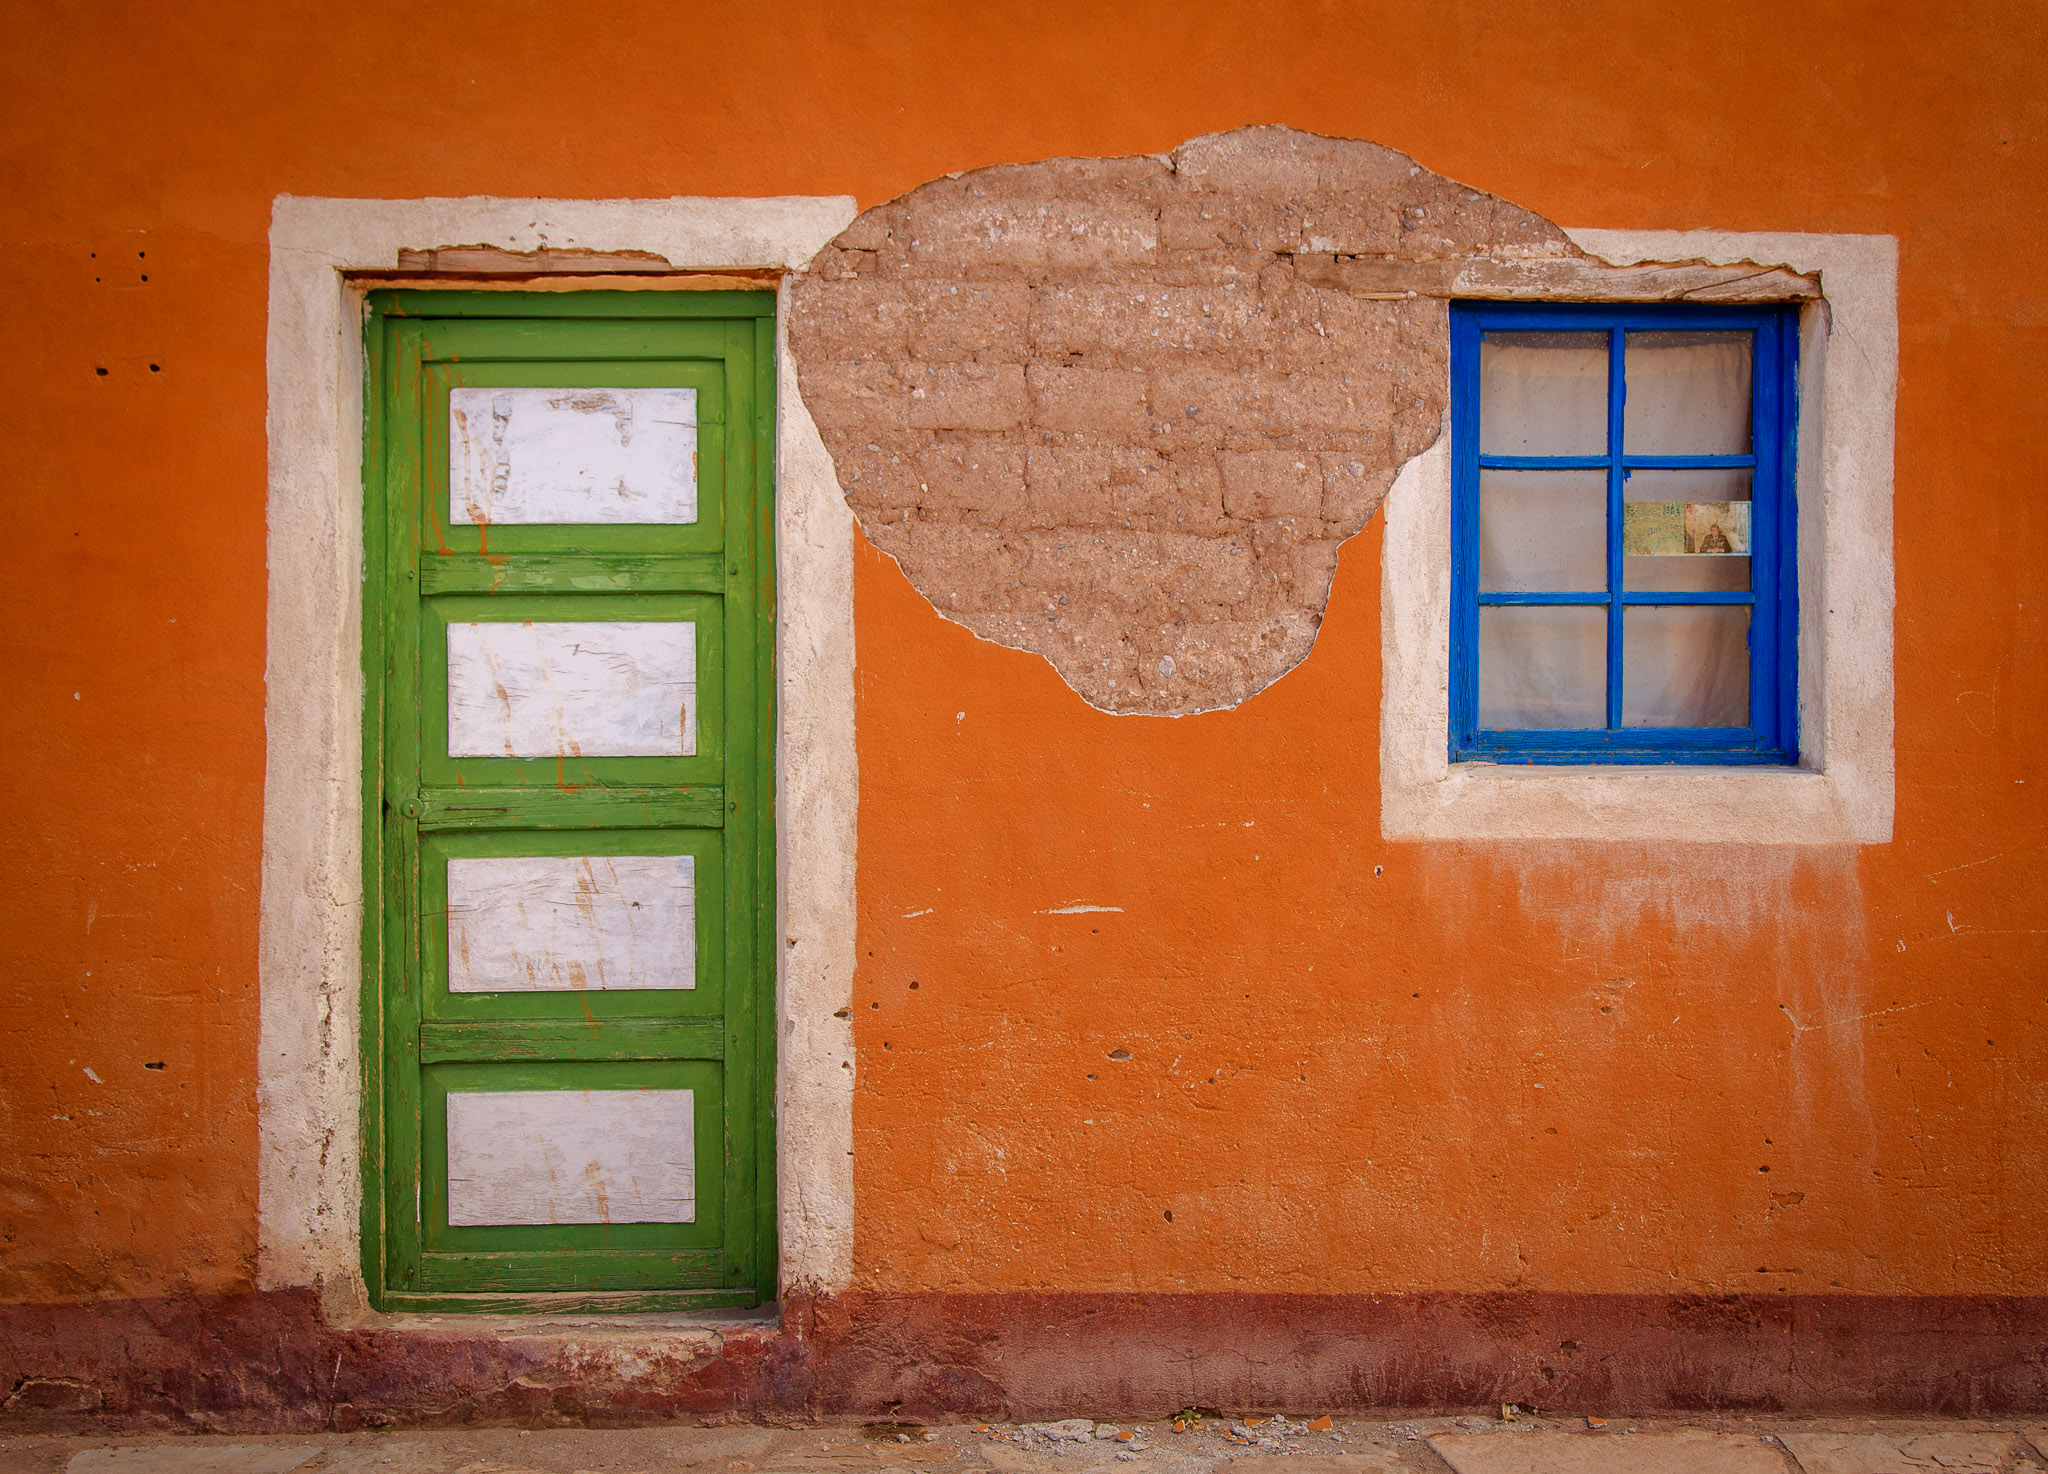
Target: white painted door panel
[(572, 456), (571, 1156), (553, 923), (581, 689)]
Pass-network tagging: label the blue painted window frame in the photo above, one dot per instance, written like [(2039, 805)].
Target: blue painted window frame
[(1772, 738)]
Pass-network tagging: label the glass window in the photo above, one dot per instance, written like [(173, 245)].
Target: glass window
[(1622, 575)]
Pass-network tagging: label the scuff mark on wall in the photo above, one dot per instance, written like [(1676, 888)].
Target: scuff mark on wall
[(1123, 412)]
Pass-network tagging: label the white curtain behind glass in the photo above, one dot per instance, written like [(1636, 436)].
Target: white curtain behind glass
[(1543, 394), (1688, 394), (1546, 394)]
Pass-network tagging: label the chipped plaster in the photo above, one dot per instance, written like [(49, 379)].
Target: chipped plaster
[(1123, 412), (1093, 410)]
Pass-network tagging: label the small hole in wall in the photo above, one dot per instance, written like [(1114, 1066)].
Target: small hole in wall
[(874, 1005), (156, 368), (1169, 1215), (1379, 870), (913, 987), (101, 372), (155, 1064)]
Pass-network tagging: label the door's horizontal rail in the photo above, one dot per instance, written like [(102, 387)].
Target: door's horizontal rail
[(446, 1041), (582, 806), (573, 573), (574, 1269), (583, 1302)]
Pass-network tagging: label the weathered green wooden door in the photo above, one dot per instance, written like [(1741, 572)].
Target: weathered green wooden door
[(568, 618)]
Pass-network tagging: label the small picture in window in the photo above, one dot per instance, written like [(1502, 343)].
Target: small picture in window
[(1652, 529), (1676, 529), (1717, 527)]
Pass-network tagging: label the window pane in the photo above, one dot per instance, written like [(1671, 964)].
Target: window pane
[(1688, 394), (1542, 667), (1542, 530), (1685, 531), (1685, 667), (1543, 394)]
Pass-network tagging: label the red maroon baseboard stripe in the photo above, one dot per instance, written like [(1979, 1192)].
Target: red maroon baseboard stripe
[(269, 1362)]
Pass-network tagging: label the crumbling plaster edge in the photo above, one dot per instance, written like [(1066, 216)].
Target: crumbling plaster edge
[(308, 957), (1844, 791), (1075, 691)]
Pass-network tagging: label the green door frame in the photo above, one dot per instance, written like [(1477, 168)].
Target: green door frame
[(421, 806)]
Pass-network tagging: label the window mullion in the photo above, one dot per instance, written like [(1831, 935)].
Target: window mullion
[(1763, 673), (1617, 393)]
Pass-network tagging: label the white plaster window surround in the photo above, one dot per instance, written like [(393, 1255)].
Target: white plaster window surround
[(1842, 790), (309, 1077)]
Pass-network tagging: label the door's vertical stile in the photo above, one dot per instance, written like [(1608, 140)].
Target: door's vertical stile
[(405, 498), (737, 493), (737, 1146), (766, 923)]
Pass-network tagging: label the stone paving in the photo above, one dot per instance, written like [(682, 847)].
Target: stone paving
[(1519, 1443)]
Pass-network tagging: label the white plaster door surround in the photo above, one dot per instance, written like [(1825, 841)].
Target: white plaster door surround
[(309, 951)]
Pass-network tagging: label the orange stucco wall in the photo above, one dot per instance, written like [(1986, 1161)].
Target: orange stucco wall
[(1356, 1065)]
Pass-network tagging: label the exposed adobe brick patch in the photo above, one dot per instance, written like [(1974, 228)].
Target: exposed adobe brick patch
[(1096, 410)]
